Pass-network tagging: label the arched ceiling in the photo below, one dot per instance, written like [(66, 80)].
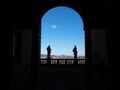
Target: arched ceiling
[(95, 14)]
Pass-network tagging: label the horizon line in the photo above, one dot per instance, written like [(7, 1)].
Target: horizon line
[(63, 55)]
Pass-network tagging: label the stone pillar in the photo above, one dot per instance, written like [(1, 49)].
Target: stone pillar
[(88, 48), (21, 70), (99, 47)]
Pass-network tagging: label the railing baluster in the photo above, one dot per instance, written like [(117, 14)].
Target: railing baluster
[(57, 61), (65, 61)]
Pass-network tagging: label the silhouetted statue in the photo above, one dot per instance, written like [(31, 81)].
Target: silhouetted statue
[(75, 54), (48, 53)]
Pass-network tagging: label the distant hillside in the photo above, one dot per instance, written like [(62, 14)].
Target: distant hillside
[(42, 55), (62, 56)]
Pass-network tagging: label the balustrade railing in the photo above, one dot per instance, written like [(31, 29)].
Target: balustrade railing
[(62, 61)]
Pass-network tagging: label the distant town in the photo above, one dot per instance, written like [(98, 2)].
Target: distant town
[(44, 56)]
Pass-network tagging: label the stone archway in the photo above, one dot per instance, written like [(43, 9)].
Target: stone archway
[(94, 16), (75, 29), (87, 30)]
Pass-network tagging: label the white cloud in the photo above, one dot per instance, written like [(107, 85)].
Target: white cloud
[(53, 26)]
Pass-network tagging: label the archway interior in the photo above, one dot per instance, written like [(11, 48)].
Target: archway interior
[(62, 29)]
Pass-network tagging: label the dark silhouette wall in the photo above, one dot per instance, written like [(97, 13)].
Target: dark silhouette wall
[(26, 20)]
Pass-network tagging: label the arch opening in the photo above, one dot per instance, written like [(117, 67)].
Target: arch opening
[(62, 28)]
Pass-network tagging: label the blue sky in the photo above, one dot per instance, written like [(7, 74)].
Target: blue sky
[(62, 28)]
